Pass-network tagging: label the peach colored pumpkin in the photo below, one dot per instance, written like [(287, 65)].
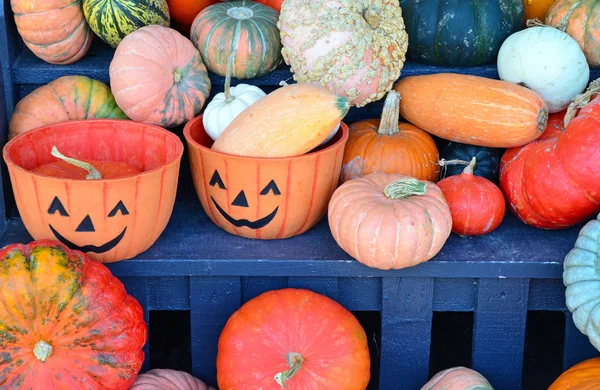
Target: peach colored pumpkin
[(54, 30), (458, 378), (355, 48), (389, 221), (157, 77), (159, 379)]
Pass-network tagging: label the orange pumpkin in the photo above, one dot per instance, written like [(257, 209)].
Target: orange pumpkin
[(537, 9), (389, 221), (183, 13), (109, 219), (388, 146), (264, 198), (54, 30), (579, 19), (582, 376)]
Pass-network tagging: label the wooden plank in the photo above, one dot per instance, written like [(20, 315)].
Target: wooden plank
[(406, 314), (254, 286), (212, 302), (169, 293), (577, 345), (325, 286), (138, 288), (360, 294), (451, 294), (499, 331), (547, 295)]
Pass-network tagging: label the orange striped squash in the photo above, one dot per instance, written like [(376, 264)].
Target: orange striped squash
[(54, 30), (246, 27), (473, 110), (108, 219)]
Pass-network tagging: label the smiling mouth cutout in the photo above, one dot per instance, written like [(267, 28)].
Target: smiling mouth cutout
[(90, 248), (259, 223)]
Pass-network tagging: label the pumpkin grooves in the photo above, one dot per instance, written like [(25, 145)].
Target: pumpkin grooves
[(42, 350), (93, 174), (390, 115), (295, 361), (405, 187)]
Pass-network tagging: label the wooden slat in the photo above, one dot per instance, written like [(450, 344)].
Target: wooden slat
[(577, 345), (213, 300), (405, 332), (499, 331), (254, 286), (138, 288), (325, 286)]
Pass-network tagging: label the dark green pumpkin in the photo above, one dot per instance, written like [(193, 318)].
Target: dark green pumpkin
[(487, 160), (113, 20), (459, 32)]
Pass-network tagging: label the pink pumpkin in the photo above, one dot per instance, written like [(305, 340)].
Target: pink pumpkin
[(157, 77), (356, 52), (458, 378), (168, 380)]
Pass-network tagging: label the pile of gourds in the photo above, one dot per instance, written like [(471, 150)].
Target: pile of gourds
[(399, 198)]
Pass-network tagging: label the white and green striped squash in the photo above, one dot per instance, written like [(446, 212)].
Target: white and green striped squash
[(582, 277), (113, 20)]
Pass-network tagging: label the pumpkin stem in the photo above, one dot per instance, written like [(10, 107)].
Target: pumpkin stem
[(373, 16), (562, 25), (582, 100), (177, 75), (93, 173), (295, 361), (390, 114), (42, 350), (230, 60), (405, 187), (443, 162), (469, 168)]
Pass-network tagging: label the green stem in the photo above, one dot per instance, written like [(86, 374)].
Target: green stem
[(295, 361), (373, 16), (42, 350), (93, 173), (388, 125), (177, 75), (230, 60), (469, 168), (405, 187)]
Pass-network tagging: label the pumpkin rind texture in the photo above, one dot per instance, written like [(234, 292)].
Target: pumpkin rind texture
[(183, 13), (355, 48), (582, 376), (113, 20), (62, 298), (457, 32), (388, 234), (581, 20), (246, 27), (259, 339), (547, 61), (157, 77), (537, 8), (458, 378), (473, 110), (54, 30), (582, 279), (159, 379), (487, 160), (64, 99)]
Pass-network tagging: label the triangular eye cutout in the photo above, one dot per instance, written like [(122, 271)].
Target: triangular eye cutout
[(271, 187), (216, 179), (55, 206), (119, 207)]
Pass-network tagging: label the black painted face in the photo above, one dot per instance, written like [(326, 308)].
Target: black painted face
[(241, 201), (87, 226)]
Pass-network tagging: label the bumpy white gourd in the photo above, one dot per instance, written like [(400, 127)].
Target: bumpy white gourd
[(547, 61), (582, 278)]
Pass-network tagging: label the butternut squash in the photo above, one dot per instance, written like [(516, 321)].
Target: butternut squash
[(473, 110), (289, 121)]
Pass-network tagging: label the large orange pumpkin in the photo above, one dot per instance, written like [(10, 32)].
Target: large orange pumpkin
[(389, 221), (582, 376), (109, 219), (54, 30), (579, 19), (183, 13), (67, 323), (64, 99), (388, 146), (293, 339), (264, 198), (157, 77)]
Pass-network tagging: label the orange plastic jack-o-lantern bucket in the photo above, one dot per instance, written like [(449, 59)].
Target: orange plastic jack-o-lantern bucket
[(109, 219), (264, 198)]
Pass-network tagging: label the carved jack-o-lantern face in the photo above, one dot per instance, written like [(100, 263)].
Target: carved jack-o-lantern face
[(264, 198)]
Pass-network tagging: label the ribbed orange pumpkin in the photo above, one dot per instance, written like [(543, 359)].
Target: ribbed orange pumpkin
[(157, 77), (582, 376), (389, 221), (580, 17), (54, 30), (388, 146)]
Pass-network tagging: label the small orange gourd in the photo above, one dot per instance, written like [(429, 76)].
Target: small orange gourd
[(582, 376), (384, 145)]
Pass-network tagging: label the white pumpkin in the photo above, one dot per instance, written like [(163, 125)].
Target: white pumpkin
[(226, 106), (582, 278), (547, 61)]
